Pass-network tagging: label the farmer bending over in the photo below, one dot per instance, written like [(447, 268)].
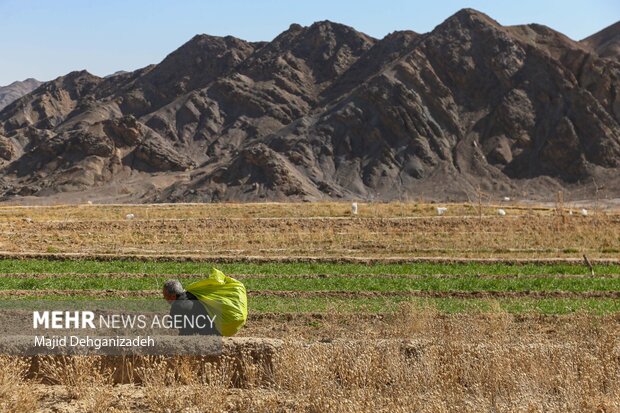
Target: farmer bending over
[(183, 303)]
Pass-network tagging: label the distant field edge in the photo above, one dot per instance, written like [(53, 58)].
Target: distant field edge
[(300, 259)]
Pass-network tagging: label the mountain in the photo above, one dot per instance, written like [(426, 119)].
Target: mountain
[(605, 43), (327, 112), (117, 73), (16, 90)]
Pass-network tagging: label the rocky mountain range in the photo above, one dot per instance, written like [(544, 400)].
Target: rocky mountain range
[(15, 90), (327, 112)]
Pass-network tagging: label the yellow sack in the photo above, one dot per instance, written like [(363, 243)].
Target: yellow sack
[(225, 298)]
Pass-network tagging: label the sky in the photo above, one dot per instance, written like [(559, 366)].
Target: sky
[(45, 39)]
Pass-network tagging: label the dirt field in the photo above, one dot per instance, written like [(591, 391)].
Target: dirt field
[(311, 230), (395, 310)]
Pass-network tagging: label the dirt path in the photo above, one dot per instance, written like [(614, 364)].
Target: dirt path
[(129, 275), (257, 259), (325, 294)]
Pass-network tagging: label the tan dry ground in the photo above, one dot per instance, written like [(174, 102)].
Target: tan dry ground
[(414, 361), (309, 230)]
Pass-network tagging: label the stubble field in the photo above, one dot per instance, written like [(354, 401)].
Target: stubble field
[(395, 309)]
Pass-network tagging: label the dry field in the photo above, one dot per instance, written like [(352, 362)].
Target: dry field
[(501, 315), (411, 361), (238, 231)]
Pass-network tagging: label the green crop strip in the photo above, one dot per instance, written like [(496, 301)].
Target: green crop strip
[(35, 266), (377, 284), (336, 305), (557, 306)]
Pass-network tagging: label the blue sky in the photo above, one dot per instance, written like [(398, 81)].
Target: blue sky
[(48, 38)]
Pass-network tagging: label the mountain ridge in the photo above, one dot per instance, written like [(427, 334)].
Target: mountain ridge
[(17, 89), (327, 112)]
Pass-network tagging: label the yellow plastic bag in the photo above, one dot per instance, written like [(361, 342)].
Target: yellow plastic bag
[(225, 298)]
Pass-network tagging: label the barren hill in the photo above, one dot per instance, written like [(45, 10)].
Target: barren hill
[(15, 90), (606, 42), (326, 112)]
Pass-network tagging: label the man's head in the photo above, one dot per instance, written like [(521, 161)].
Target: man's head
[(172, 289)]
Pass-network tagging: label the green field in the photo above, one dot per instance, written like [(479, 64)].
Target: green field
[(447, 305), (377, 283), (395, 281), (37, 266)]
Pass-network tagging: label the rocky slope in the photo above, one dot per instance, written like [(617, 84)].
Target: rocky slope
[(327, 112), (605, 43), (15, 90)]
